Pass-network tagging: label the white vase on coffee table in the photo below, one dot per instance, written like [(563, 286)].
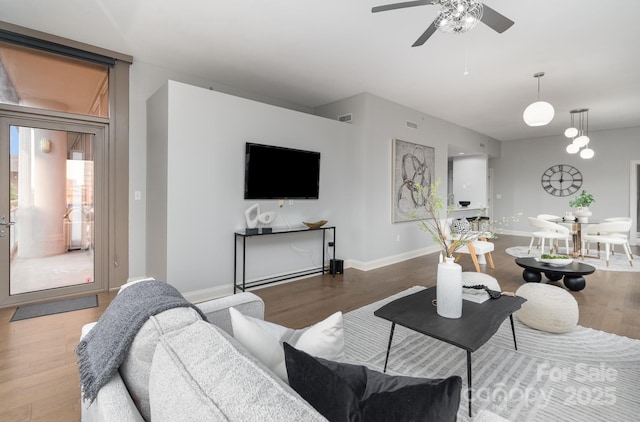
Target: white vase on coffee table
[(449, 289)]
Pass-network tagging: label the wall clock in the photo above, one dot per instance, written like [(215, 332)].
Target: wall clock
[(561, 180)]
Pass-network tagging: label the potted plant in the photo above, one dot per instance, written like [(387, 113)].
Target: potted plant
[(582, 203)]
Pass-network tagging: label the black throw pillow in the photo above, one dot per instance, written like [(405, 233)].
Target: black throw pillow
[(345, 392)]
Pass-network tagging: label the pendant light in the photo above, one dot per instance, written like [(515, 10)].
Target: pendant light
[(579, 131), (539, 113)]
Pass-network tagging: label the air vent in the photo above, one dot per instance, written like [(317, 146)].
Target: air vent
[(345, 118), (412, 125)]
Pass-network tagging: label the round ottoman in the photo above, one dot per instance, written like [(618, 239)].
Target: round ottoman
[(471, 278), (548, 308)]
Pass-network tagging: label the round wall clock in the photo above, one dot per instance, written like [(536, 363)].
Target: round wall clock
[(561, 180)]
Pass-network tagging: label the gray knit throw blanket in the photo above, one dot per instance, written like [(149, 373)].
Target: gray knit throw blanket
[(103, 349)]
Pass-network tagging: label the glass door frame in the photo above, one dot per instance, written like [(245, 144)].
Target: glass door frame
[(101, 221)]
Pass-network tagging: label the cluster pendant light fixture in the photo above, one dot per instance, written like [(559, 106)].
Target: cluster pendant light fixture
[(579, 132), (539, 113)]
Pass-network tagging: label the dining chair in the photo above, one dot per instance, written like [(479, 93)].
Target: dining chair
[(551, 231), (553, 218), (622, 234), (608, 233)]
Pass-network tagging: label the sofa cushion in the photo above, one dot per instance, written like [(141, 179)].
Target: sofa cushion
[(264, 339), (200, 373), (136, 366), (346, 392)]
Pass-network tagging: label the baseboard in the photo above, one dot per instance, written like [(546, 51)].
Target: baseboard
[(389, 260), (208, 294)]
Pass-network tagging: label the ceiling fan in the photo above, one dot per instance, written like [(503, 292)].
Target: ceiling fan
[(456, 16)]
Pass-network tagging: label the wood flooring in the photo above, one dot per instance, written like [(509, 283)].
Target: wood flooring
[(38, 373)]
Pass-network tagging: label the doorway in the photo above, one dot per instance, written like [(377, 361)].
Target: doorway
[(52, 197)]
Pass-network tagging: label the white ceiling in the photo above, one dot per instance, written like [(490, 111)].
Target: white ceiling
[(317, 52)]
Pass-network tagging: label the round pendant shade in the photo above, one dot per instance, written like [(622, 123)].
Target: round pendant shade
[(587, 153), (572, 148), (571, 132), (539, 113), (581, 141)]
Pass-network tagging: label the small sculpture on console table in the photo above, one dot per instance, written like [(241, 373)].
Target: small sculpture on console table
[(251, 216), (266, 218)]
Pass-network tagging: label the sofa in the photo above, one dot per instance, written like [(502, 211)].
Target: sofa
[(180, 367), (177, 362)]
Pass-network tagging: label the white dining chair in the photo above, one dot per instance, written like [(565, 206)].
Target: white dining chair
[(621, 234), (548, 230), (609, 234), (555, 219)]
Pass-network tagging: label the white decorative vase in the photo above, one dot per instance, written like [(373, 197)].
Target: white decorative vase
[(583, 214), (449, 289)]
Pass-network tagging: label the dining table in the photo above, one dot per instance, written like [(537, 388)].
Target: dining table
[(576, 225)]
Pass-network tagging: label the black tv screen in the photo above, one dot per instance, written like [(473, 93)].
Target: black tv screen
[(273, 172)]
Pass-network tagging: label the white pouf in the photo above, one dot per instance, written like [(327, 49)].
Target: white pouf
[(548, 308)]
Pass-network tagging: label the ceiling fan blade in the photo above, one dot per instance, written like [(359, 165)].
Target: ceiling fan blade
[(400, 5), (495, 20), (425, 35)]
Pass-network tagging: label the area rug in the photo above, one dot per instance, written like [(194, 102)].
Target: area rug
[(57, 307), (584, 375), (617, 262)]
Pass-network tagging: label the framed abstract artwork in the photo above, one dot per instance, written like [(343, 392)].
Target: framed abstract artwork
[(411, 164)]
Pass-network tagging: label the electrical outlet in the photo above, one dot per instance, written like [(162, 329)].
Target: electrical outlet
[(137, 195), (397, 238), (290, 201)]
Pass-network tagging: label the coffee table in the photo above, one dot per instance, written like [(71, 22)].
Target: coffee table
[(573, 273), (479, 322)]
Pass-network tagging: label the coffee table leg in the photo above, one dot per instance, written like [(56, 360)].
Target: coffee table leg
[(393, 326), (469, 379), (513, 331), (531, 276), (574, 283)]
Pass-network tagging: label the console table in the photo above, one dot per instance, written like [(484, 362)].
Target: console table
[(240, 237)]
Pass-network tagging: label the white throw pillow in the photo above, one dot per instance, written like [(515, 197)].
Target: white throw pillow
[(263, 339)]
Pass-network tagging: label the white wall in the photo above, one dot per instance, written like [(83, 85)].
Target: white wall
[(607, 176), (204, 178), (145, 80), (470, 180)]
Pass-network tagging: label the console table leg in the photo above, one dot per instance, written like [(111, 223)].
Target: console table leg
[(513, 331), (393, 326), (469, 379)]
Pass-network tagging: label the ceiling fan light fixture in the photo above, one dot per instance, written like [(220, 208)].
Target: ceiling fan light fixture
[(458, 16), (572, 148), (539, 113)]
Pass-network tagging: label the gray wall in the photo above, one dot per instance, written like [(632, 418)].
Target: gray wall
[(518, 171)]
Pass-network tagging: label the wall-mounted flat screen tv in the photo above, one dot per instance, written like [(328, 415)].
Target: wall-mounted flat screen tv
[(273, 172)]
